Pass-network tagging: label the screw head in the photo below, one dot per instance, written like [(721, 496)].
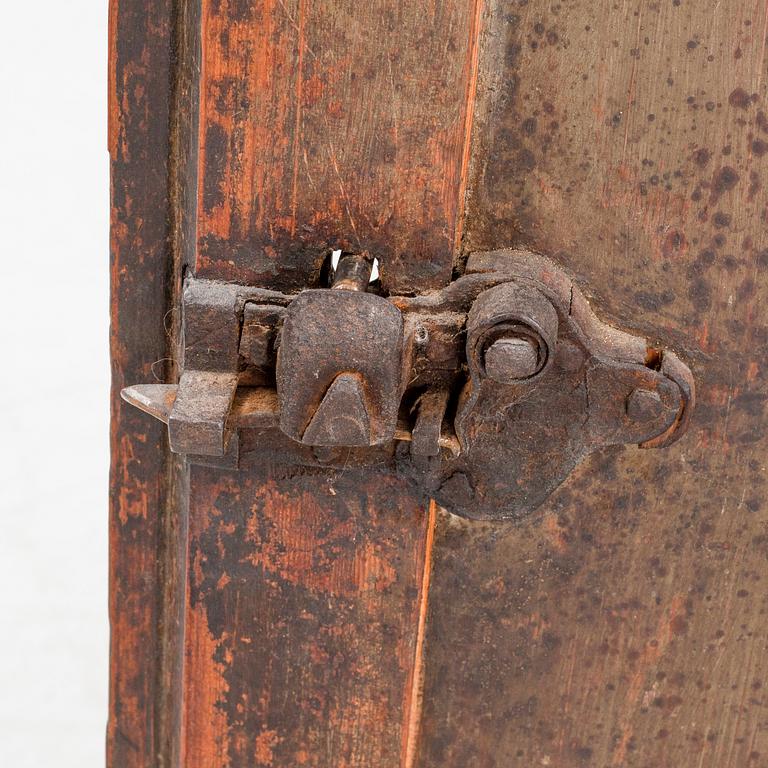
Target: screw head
[(512, 359), (644, 405)]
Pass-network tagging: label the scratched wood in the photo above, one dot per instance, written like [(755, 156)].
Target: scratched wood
[(626, 624), (301, 627), (300, 127), (139, 104), (331, 125), (281, 131)]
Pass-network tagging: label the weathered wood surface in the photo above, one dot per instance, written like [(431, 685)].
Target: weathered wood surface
[(302, 623), (335, 124), (626, 624), (332, 124), (139, 104)]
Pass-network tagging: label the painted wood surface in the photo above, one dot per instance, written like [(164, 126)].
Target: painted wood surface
[(300, 128), (625, 625), (302, 623), (332, 125), (139, 106)]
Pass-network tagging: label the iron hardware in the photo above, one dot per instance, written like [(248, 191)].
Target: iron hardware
[(486, 393)]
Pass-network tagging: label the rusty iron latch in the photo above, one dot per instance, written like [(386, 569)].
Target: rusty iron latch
[(486, 393)]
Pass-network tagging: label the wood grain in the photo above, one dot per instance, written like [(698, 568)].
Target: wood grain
[(625, 625), (302, 623), (299, 128), (139, 104), (365, 618), (332, 125)]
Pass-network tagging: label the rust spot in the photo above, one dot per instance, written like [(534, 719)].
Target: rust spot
[(700, 294), (746, 290), (678, 625), (653, 358), (668, 703), (674, 243), (740, 99), (724, 181), (701, 157)]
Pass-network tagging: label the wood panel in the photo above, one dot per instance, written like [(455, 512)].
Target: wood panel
[(139, 104), (626, 624), (274, 132), (332, 125), (300, 127), (302, 627)]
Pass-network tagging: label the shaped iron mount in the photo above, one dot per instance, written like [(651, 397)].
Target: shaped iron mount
[(486, 393)]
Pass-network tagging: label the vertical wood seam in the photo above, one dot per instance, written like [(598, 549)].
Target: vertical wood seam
[(469, 117), (297, 128), (413, 705)]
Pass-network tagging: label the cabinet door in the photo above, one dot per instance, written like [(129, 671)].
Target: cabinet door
[(273, 614), (276, 614), (625, 623)]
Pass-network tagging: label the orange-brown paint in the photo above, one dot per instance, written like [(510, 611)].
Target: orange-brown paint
[(344, 126), (415, 679), (305, 619), (204, 737), (296, 543)]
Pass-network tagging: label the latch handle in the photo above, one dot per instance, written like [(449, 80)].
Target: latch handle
[(339, 363)]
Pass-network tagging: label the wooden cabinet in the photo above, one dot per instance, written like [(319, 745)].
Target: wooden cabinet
[(279, 614)]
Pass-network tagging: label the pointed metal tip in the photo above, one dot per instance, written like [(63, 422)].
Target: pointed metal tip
[(154, 399)]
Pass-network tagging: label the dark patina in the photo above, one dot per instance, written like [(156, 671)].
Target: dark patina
[(486, 393)]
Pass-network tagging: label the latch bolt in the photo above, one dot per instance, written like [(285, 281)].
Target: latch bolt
[(486, 393)]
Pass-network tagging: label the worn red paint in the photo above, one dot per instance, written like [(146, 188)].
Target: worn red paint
[(139, 94), (342, 126)]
